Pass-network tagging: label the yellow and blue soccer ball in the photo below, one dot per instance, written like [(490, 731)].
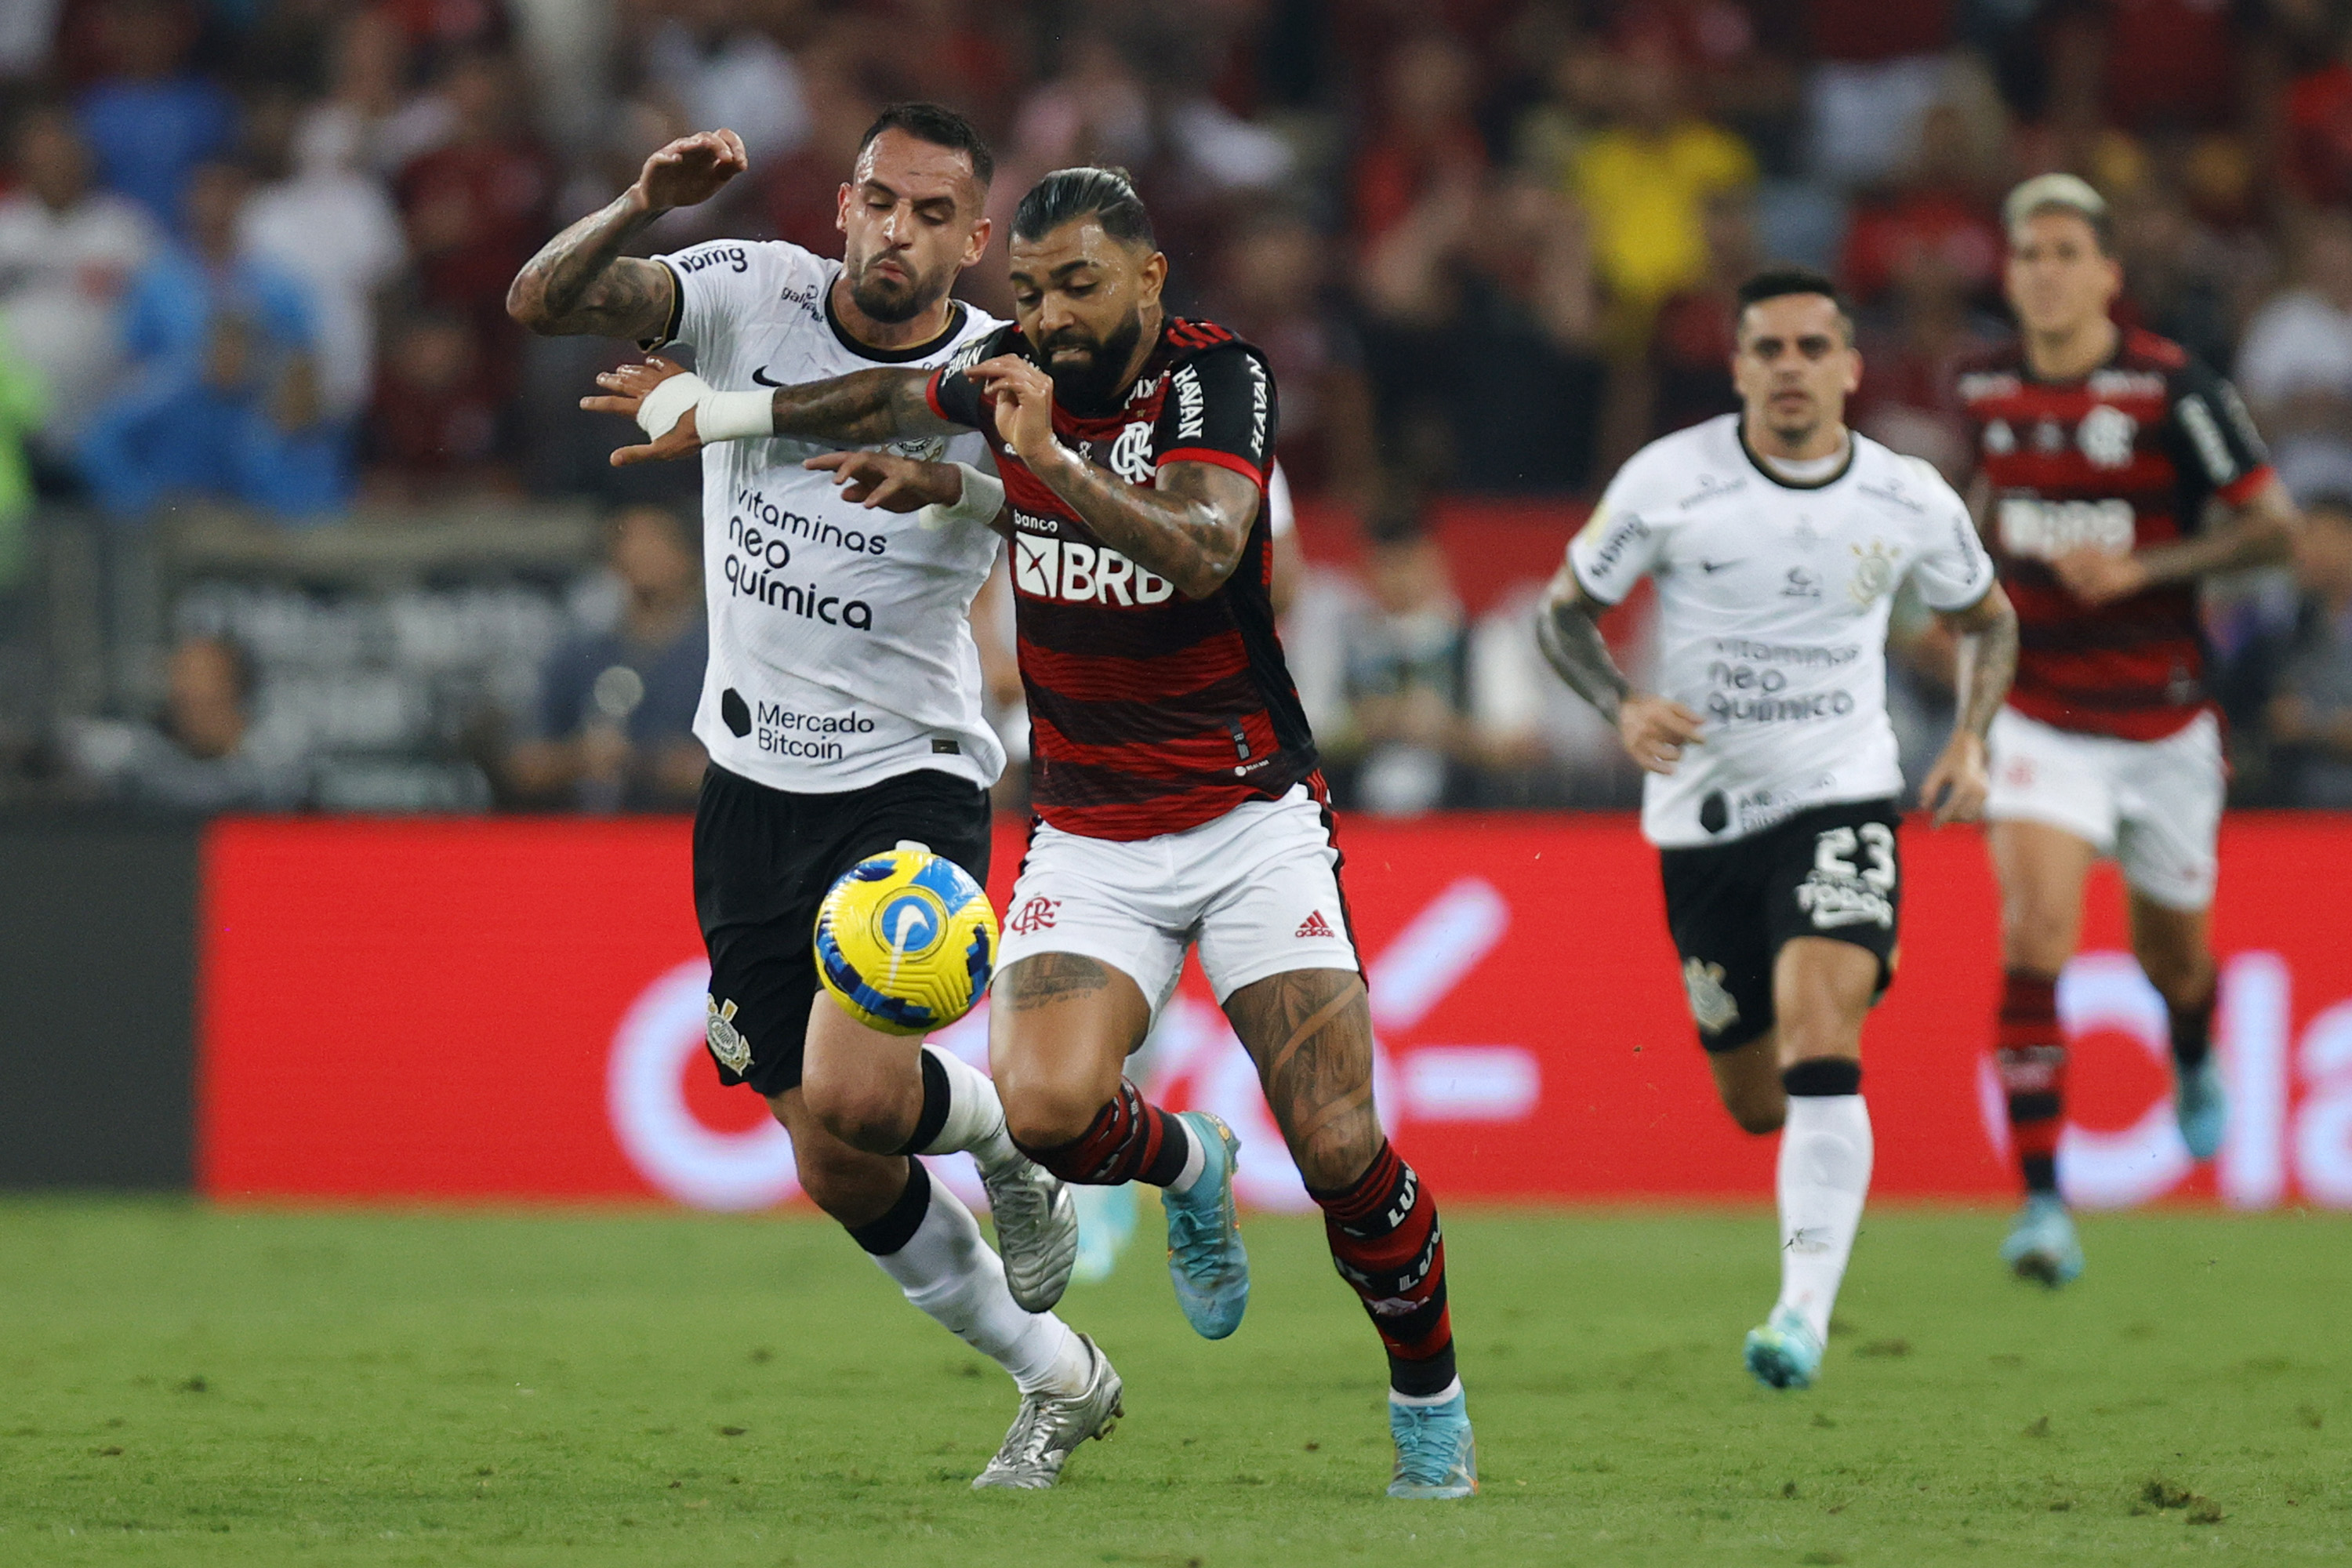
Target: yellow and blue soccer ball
[(906, 941)]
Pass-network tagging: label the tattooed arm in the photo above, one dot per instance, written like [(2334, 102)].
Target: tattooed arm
[(860, 408), (1190, 529), (581, 283), (1985, 660), (1654, 728)]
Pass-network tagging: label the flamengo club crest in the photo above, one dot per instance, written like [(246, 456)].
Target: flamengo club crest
[(2106, 436)]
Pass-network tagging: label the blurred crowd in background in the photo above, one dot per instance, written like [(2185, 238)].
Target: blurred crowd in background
[(254, 256)]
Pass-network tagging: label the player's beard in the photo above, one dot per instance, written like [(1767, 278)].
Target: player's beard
[(1092, 385), (887, 299)]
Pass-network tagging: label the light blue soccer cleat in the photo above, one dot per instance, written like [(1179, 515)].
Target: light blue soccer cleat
[(1205, 1257), (1435, 1455), (2041, 1245), (2200, 1107), (1785, 1352)]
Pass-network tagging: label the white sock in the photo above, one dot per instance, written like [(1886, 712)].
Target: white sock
[(975, 1122), (1196, 1161), (946, 1270), (1449, 1391), (1825, 1174)]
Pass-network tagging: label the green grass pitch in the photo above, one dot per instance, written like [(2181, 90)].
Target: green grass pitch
[(180, 1385)]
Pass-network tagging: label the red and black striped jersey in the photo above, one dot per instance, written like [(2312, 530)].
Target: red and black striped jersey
[(2126, 457), (1149, 711)]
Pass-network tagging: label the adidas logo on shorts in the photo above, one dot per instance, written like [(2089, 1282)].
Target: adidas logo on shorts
[(1313, 925)]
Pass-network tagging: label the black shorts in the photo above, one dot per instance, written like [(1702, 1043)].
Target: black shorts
[(1832, 871), (763, 860)]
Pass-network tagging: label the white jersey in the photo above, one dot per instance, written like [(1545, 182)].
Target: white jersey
[(840, 651), (1772, 626)]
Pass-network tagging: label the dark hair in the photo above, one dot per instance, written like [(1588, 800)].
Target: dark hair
[(1777, 282), (1108, 195), (940, 126)]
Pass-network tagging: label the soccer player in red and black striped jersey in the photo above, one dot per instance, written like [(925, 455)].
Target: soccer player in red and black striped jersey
[(1175, 777), (2102, 451)]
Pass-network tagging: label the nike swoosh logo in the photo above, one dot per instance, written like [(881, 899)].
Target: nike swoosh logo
[(760, 376), (1712, 567)]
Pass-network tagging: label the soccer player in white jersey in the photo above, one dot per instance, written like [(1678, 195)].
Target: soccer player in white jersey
[(1777, 539), (841, 708)]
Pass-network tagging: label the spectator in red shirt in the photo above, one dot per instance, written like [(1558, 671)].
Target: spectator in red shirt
[(1941, 209), (1424, 138), (476, 207)]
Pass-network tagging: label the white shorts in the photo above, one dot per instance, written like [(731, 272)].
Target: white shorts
[(1259, 888), (2155, 806)]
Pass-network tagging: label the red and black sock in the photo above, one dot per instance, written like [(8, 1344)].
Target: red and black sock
[(2031, 1051), (2192, 1035), (1384, 1238), (1130, 1140)]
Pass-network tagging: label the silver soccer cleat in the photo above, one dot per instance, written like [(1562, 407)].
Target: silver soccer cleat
[(1049, 1427), (1036, 1231)]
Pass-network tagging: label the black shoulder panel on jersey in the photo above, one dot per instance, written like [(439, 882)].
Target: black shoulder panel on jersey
[(955, 396), (1220, 407)]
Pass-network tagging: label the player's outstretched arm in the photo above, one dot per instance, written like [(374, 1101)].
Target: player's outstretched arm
[(1654, 728), (860, 408), (1190, 528), (2258, 533), (1985, 660), (581, 283)]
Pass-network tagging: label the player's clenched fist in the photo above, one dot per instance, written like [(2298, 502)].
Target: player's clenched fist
[(690, 170), (1655, 729), (1956, 787)]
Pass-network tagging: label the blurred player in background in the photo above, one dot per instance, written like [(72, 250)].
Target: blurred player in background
[(841, 710), (1176, 780), (1777, 539), (2100, 451)]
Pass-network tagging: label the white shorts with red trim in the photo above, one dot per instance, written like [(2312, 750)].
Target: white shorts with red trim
[(1259, 888), (2153, 805)]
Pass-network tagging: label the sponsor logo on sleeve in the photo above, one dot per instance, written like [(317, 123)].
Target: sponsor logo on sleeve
[(2205, 434), (1192, 406), (732, 257)]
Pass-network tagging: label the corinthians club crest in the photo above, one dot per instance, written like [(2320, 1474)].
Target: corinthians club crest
[(1713, 1008), (1874, 573), (727, 1042)]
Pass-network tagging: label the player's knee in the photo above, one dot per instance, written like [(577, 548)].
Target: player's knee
[(1335, 1153), (2183, 975), (865, 1113), (2036, 935), (835, 1179), (1042, 1112)]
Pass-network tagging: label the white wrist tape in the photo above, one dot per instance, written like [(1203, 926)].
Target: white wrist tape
[(983, 499), (735, 416), (717, 416)]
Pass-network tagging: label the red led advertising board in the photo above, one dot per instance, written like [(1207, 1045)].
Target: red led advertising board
[(512, 1010)]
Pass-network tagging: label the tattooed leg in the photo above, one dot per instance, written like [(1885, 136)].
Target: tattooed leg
[(1310, 1033), (1058, 1035)]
